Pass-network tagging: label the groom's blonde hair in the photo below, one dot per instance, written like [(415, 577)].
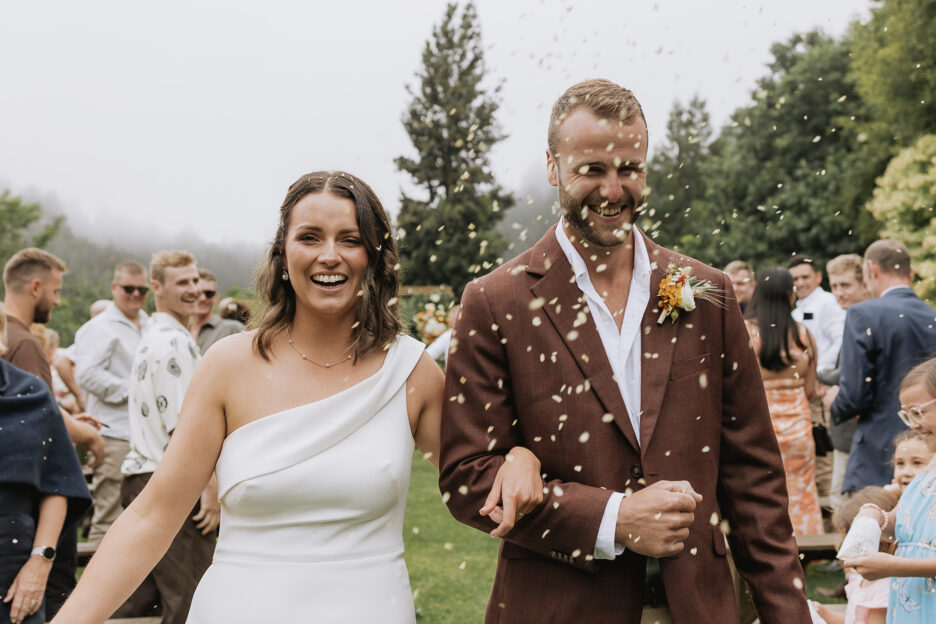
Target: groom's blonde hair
[(603, 98)]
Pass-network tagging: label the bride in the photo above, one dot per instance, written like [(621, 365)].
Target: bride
[(310, 422)]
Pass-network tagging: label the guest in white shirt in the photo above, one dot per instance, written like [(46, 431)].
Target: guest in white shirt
[(817, 309), (162, 369), (103, 352)]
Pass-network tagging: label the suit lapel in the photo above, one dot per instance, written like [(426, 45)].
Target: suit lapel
[(658, 344), (560, 293)]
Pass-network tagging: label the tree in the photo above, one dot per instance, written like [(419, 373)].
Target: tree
[(448, 236), (894, 67), (19, 226), (792, 171), (904, 203), (675, 174)]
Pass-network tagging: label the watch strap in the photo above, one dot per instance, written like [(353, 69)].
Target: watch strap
[(46, 552)]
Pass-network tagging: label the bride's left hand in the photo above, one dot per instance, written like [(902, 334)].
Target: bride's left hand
[(517, 490)]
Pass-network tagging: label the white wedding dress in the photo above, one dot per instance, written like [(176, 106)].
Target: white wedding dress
[(312, 504)]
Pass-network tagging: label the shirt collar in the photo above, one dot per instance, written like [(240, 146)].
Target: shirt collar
[(580, 269), (112, 312), (164, 318), (893, 288), (812, 297)]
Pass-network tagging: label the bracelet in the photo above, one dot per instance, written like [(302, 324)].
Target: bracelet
[(884, 520)]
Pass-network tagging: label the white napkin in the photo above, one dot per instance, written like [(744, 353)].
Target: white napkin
[(863, 537), (816, 618)]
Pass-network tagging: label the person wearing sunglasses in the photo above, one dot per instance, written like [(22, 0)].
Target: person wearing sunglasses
[(103, 354), (207, 326)]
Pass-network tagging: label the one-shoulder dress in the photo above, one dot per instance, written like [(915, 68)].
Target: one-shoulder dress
[(312, 503)]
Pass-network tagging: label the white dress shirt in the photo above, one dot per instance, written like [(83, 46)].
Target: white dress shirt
[(827, 324), (103, 354), (623, 350), (162, 369)]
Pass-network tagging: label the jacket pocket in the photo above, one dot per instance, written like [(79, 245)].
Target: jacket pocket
[(687, 367)]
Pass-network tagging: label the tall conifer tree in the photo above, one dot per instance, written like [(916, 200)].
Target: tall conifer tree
[(448, 234)]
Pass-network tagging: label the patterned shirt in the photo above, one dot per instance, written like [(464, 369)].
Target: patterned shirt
[(160, 375)]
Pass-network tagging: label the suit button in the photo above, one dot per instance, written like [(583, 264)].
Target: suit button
[(636, 471)]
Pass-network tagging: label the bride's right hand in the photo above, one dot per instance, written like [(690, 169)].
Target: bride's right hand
[(517, 490)]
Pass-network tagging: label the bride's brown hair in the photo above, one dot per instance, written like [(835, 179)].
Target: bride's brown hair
[(376, 311)]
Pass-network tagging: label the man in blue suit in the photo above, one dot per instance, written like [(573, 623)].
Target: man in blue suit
[(884, 338)]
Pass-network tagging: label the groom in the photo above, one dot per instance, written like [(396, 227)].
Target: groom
[(654, 437)]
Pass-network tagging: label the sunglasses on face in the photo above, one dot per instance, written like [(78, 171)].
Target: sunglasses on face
[(129, 289), (913, 415), (209, 294)]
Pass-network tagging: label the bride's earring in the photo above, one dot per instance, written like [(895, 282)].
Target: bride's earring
[(285, 276)]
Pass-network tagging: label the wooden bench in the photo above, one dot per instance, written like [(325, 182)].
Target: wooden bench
[(85, 552), (819, 546)]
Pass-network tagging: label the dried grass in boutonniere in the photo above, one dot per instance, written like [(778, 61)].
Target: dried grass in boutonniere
[(679, 290)]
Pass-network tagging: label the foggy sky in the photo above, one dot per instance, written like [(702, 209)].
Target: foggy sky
[(194, 118)]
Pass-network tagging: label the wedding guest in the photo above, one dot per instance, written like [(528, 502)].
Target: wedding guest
[(884, 337), (207, 327), (64, 361), (911, 457), (32, 279), (104, 349), (159, 377), (846, 281), (651, 426), (787, 355), (42, 490), (742, 281), (440, 346), (234, 309)]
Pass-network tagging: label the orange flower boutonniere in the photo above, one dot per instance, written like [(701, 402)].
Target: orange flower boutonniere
[(679, 290)]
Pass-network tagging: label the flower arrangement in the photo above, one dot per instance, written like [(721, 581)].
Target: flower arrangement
[(679, 289), (430, 322)]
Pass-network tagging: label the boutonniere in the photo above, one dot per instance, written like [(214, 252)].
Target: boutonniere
[(679, 290)]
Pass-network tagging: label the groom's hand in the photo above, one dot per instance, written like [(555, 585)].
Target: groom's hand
[(655, 520)]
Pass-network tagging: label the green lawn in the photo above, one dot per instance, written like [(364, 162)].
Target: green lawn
[(451, 565)]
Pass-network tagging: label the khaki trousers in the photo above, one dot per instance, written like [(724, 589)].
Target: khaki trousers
[(105, 488), (839, 464)]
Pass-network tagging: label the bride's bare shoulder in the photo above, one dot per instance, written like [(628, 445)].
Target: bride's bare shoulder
[(233, 353)]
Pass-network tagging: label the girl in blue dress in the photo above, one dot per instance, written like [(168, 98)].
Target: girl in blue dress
[(913, 523)]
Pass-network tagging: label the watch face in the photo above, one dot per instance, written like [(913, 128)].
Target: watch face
[(48, 553)]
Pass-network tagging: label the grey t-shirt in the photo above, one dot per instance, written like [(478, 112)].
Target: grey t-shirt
[(215, 329)]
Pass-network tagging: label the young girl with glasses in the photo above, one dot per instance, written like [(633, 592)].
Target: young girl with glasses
[(913, 523)]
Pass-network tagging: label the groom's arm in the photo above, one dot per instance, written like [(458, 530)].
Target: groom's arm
[(752, 491), (479, 427)]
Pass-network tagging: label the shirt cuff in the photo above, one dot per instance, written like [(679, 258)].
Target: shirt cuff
[(605, 546)]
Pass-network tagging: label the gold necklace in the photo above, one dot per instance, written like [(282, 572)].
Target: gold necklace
[(311, 361)]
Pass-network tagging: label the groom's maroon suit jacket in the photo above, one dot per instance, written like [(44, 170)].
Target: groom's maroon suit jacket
[(527, 368)]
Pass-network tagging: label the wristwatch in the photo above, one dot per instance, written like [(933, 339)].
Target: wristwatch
[(46, 552)]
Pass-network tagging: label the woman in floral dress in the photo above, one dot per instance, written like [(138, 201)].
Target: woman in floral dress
[(787, 355)]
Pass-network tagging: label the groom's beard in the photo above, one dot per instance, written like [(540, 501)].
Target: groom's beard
[(579, 217)]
